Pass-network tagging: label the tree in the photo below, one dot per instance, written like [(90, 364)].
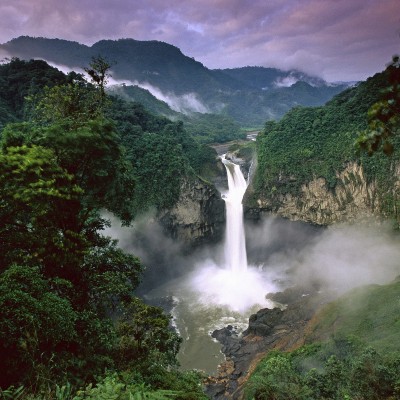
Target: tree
[(74, 104), (384, 115), (98, 72), (39, 206)]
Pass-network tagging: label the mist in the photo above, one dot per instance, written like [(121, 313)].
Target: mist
[(286, 81), (185, 104), (336, 258), (347, 256), (281, 254)]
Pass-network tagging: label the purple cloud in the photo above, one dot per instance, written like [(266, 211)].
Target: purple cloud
[(338, 40)]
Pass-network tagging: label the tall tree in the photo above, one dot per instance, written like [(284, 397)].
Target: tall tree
[(98, 72), (384, 115)]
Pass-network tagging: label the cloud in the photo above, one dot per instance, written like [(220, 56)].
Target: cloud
[(185, 103), (338, 40)]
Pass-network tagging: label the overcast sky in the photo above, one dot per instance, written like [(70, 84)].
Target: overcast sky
[(334, 39)]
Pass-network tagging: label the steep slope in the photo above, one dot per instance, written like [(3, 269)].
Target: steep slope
[(241, 94), (369, 312), (308, 167)]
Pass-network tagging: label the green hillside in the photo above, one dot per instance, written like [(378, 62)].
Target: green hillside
[(370, 313)]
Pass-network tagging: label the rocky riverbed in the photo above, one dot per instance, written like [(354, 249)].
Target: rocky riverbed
[(281, 328)]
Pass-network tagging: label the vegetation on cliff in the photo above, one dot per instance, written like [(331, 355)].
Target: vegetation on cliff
[(318, 142)]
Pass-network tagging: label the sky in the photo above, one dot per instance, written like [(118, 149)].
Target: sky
[(338, 40)]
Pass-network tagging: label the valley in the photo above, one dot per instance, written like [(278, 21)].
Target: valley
[(195, 233)]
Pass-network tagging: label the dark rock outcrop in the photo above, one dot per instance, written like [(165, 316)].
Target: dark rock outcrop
[(198, 216), (278, 328)]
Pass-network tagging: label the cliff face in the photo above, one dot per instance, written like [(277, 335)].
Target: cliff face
[(198, 216), (351, 199)]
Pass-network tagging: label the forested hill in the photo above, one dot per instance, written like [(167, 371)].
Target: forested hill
[(250, 96), (308, 161)]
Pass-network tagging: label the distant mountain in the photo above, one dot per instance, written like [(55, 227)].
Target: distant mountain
[(250, 95), (271, 78)]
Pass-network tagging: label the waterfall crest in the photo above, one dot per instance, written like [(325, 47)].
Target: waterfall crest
[(235, 242)]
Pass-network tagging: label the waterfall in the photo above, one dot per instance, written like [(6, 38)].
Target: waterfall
[(235, 243), (232, 283)]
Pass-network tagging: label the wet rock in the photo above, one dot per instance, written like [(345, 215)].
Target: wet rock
[(277, 328), (198, 216)]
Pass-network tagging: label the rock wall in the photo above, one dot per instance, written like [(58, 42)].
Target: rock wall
[(353, 198), (198, 216)]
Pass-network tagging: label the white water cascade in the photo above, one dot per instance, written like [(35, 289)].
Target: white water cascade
[(235, 241), (232, 283)]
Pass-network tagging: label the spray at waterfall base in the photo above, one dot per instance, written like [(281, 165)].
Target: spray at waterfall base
[(234, 284)]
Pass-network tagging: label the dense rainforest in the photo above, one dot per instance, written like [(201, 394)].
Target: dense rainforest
[(69, 316)]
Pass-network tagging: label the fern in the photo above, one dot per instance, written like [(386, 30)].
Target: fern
[(12, 393), (64, 392), (112, 388)]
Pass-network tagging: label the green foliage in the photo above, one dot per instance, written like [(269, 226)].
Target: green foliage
[(364, 374), (112, 274), (161, 154), (19, 79), (369, 312), (213, 128), (29, 308), (12, 393), (112, 387), (383, 116), (98, 72), (38, 199), (73, 104), (145, 337), (276, 379)]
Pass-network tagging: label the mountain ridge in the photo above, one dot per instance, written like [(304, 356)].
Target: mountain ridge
[(236, 93)]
